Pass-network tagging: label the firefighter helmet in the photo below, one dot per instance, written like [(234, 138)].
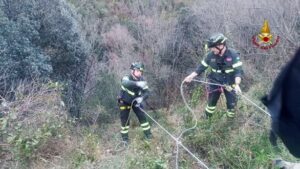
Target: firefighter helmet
[(137, 65), (216, 39)]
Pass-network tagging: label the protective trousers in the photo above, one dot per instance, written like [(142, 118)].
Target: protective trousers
[(125, 121), (213, 97)]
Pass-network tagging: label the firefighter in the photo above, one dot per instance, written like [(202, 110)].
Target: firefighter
[(134, 90), (284, 106), (226, 69)]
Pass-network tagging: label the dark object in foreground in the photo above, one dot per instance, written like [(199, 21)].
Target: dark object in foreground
[(283, 103)]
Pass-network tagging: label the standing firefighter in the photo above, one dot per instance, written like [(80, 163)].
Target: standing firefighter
[(226, 69), (134, 90)]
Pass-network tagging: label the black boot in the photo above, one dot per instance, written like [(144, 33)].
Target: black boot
[(208, 115), (148, 135), (125, 138)]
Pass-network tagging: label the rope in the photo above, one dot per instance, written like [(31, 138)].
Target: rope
[(210, 83), (193, 127), (175, 139), (190, 109), (245, 97), (267, 113)]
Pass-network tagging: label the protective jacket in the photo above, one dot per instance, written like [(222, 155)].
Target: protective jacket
[(130, 90), (224, 68)]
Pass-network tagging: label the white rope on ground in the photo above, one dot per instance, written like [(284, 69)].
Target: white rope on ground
[(190, 109), (177, 141), (193, 127), (122, 145)]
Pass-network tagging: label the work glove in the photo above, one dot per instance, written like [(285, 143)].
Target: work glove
[(138, 100), (237, 89), (229, 88), (188, 79), (141, 84), (234, 87)]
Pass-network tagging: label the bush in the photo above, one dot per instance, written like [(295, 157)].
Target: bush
[(34, 118), (101, 101)]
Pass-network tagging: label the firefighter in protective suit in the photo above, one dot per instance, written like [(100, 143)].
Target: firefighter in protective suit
[(226, 69), (134, 90)]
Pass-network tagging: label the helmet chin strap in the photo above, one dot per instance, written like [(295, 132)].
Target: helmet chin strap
[(220, 50), (137, 78)]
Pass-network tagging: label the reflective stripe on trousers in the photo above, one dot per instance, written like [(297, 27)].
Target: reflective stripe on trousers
[(145, 126), (210, 109)]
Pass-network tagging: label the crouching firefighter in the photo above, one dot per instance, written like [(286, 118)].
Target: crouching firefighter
[(134, 90), (226, 69)]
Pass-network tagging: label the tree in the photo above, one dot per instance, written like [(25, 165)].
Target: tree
[(42, 39), (20, 56)]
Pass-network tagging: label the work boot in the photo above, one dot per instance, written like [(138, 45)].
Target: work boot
[(230, 113), (125, 140), (148, 135), (125, 137), (148, 138), (208, 115)]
